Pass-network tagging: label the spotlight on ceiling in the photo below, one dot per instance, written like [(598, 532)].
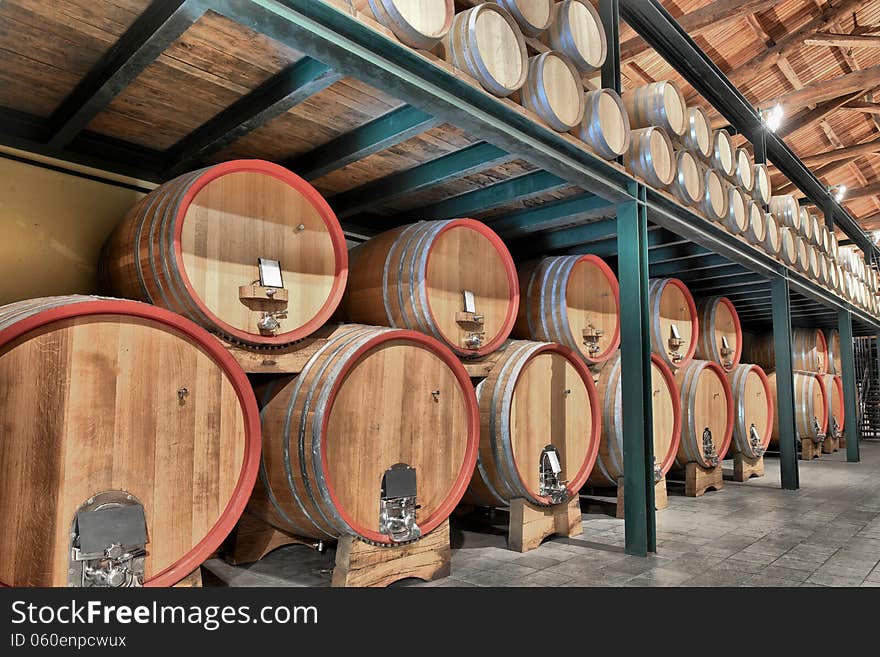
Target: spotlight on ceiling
[(839, 192), (772, 117)]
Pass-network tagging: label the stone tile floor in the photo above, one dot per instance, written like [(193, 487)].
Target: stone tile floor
[(749, 534)]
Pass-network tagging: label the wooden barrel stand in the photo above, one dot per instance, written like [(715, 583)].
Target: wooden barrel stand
[(661, 500), (745, 467), (697, 479), (531, 524)]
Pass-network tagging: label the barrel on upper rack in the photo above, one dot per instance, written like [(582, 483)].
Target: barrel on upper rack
[(605, 126), (815, 270), (786, 210), (772, 241), (715, 200), (809, 351), (707, 414), (650, 156), (836, 409), (538, 406), (532, 16), (720, 338), (452, 279), (697, 136), (832, 343), (577, 30), (753, 410), (416, 23), (666, 421), (810, 406), (572, 300), (486, 43), (807, 226), (744, 173), (675, 325), (114, 408), (658, 104), (194, 245), (687, 184), (372, 405), (763, 187), (788, 246), (802, 264), (553, 90), (737, 219), (722, 156), (756, 228)]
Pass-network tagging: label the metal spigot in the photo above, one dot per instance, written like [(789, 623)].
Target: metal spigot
[(675, 343), (591, 336)]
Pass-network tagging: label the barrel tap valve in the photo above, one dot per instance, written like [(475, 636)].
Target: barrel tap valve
[(471, 323), (835, 427), (755, 441), (270, 322), (398, 505), (709, 448), (591, 336), (658, 471), (552, 484), (820, 437), (675, 342), (726, 353)]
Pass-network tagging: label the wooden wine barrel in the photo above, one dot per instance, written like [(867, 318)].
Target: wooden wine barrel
[(577, 30), (650, 156), (816, 230), (706, 414), (803, 254), (763, 187), (687, 183), (675, 326), (737, 219), (806, 229), (554, 91), (772, 241), (835, 246), (814, 269), (786, 210), (836, 408), (658, 104), (370, 399), (538, 398), (112, 403), (486, 43), (193, 244), (810, 406), (720, 339), (833, 274), (809, 351), (744, 175), (753, 410), (824, 272), (666, 421), (756, 230), (416, 23), (697, 136), (788, 246), (417, 277), (532, 16), (572, 300), (606, 125), (826, 238), (722, 156), (715, 204)]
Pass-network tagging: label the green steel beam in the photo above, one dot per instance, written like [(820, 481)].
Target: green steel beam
[(848, 362), (730, 271), (388, 130), (788, 465), (685, 257), (555, 214), (755, 282), (396, 186), (638, 457), (657, 238)]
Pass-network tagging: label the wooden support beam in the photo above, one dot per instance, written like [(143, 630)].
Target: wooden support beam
[(811, 117), (827, 89), (862, 106), (862, 192), (843, 40), (818, 159), (790, 42), (822, 172), (702, 20)]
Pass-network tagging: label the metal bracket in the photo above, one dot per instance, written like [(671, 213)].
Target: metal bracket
[(550, 476), (108, 538), (755, 441), (591, 337), (709, 448), (397, 504)]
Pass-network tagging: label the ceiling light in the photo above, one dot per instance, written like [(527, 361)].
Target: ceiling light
[(839, 192), (772, 117)]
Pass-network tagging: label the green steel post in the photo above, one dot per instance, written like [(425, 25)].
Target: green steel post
[(848, 363), (638, 457), (788, 465)]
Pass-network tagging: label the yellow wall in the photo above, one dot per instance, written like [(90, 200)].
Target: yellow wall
[(52, 227)]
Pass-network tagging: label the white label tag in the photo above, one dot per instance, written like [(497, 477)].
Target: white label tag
[(554, 462), (270, 273), (470, 305)]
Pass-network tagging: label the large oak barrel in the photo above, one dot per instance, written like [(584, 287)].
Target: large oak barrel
[(554, 91), (836, 408), (486, 43), (606, 125), (715, 202), (772, 241), (810, 406), (658, 104), (785, 209), (807, 226), (763, 189), (814, 269), (697, 136), (722, 155), (720, 339), (666, 421), (756, 230), (572, 300), (650, 156), (809, 351), (816, 231), (416, 23), (706, 414), (753, 410), (744, 174), (193, 245), (675, 326), (117, 407), (452, 279), (370, 402), (832, 344), (532, 16), (737, 218), (833, 279), (824, 271), (687, 183), (803, 254), (576, 30), (539, 403), (788, 246)]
